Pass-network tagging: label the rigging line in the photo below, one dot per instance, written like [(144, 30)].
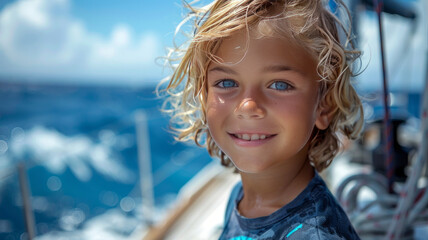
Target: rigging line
[(388, 134)]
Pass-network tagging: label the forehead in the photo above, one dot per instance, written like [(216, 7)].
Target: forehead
[(251, 49)]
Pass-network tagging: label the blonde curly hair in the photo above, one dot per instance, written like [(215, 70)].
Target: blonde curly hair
[(308, 23)]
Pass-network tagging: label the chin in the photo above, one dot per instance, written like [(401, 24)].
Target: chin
[(250, 168)]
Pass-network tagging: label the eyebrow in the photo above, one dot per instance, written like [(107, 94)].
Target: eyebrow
[(270, 68), (223, 69), (278, 68)]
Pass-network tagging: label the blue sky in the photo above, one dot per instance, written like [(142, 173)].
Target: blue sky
[(117, 42), (105, 41), (141, 15)]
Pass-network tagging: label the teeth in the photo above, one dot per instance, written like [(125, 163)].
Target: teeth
[(245, 136), (251, 137)]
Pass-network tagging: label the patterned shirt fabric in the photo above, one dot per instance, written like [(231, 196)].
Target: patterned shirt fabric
[(313, 214)]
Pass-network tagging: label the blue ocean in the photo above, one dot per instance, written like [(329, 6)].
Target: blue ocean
[(79, 147), (78, 144)]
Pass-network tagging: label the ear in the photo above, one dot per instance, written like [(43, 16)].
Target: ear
[(324, 115)]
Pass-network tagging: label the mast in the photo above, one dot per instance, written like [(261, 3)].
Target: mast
[(145, 166), (26, 198)]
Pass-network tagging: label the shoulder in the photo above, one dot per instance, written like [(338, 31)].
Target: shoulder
[(317, 225), (325, 219), (307, 231), (330, 220)]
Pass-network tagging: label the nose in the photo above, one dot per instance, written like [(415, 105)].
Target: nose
[(248, 108)]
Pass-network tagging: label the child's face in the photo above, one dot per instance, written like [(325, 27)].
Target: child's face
[(262, 105)]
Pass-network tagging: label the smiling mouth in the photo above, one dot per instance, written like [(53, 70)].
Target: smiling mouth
[(252, 137)]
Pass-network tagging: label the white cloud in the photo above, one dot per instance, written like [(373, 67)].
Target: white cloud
[(41, 38)]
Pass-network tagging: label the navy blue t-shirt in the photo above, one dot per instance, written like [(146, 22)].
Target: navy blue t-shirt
[(313, 214)]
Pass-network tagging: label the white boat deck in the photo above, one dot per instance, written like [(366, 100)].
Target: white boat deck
[(201, 207)]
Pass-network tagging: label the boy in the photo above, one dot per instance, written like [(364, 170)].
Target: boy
[(264, 85)]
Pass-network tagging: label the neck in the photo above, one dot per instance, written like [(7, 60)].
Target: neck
[(266, 192)]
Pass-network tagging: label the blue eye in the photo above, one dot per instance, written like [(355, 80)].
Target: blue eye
[(280, 86), (227, 83)]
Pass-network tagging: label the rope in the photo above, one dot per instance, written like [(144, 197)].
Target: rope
[(390, 216)]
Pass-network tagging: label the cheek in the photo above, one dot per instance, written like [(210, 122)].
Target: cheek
[(217, 115), (217, 110), (299, 112)]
